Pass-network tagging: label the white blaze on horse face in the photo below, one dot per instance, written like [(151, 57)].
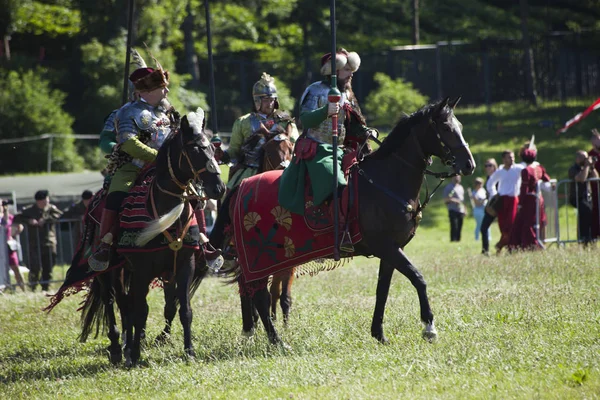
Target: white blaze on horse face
[(212, 166), (456, 126)]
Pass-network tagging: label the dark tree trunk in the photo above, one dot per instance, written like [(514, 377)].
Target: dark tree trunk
[(530, 91), (415, 25), (191, 59)]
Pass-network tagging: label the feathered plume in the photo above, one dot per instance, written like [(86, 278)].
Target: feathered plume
[(532, 143)]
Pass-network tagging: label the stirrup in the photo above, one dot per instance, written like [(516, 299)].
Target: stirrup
[(98, 261), (215, 264), (346, 244)]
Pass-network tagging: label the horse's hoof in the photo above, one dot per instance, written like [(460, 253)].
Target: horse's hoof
[(115, 356), (248, 334), (128, 361), (284, 346), (381, 339), (430, 333), (163, 338), (190, 353)]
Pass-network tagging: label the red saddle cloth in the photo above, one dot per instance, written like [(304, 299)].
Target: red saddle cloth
[(270, 238), (134, 217)]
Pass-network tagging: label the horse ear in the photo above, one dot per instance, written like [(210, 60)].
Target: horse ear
[(442, 105), (185, 125), (454, 102)]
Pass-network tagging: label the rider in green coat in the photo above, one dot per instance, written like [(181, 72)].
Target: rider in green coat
[(314, 150)]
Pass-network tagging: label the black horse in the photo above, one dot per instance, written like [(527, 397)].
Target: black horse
[(389, 184), (185, 157)]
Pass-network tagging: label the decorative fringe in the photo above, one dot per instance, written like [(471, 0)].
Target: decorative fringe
[(156, 227), (314, 267)]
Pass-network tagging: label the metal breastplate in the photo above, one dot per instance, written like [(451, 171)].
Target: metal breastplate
[(138, 117), (254, 143), (314, 97)]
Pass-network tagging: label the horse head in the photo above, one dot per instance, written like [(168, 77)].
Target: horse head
[(445, 139), (196, 149)]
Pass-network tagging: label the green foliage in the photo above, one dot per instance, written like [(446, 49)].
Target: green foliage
[(29, 108), (41, 18), (385, 105)]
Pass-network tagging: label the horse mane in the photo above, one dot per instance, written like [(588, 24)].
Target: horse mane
[(161, 224), (401, 131)]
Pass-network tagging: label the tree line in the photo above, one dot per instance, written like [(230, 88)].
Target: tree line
[(62, 61)]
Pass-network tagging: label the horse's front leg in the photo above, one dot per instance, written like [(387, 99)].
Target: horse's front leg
[(170, 311), (386, 271), (275, 291), (138, 313), (286, 294), (184, 279), (390, 253), (262, 301)]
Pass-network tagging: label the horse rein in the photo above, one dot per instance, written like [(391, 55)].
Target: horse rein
[(440, 175)]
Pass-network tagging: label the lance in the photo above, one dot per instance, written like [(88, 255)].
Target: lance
[(216, 140), (127, 55), (334, 96)]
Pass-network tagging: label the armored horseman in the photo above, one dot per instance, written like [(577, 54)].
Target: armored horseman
[(141, 128), (523, 234), (251, 131), (314, 150)]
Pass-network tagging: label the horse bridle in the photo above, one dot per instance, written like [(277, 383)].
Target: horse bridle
[(448, 161), (186, 187)]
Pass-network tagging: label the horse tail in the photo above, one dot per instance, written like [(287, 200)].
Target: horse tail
[(217, 234), (93, 313), (160, 225), (199, 275)]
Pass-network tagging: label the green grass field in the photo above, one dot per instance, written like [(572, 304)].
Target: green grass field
[(513, 326), (518, 326)]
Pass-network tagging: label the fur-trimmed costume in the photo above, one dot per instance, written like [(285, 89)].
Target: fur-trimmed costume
[(314, 150)]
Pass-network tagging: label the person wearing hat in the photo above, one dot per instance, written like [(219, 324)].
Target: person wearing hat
[(314, 151), (40, 220), (108, 135), (141, 128), (76, 212), (251, 131), (524, 235)]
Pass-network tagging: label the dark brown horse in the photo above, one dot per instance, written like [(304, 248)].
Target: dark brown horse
[(278, 151), (389, 184), (185, 157)]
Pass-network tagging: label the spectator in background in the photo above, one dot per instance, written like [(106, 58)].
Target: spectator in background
[(524, 235), (580, 196), (595, 152), (490, 167), (508, 179), (40, 219), (454, 197), (77, 211), (12, 231), (479, 196)]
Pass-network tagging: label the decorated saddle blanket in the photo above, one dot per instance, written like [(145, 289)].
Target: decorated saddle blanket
[(135, 217), (269, 238)]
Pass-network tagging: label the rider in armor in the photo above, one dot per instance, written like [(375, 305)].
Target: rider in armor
[(314, 151), (141, 128), (251, 131)]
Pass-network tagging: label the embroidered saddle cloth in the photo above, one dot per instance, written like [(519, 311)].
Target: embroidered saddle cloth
[(269, 238)]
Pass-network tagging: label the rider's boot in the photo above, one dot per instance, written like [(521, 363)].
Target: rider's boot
[(212, 256), (108, 231)]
